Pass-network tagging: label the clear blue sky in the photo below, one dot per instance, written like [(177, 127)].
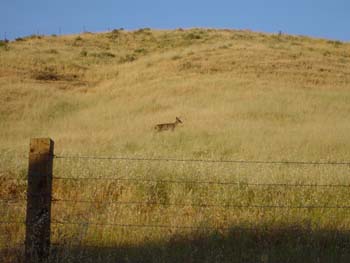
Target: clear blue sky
[(319, 18)]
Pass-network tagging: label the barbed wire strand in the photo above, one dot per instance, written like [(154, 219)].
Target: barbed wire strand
[(195, 160), (11, 222), (231, 228), (201, 182), (126, 203), (12, 200), (13, 178), (137, 225)]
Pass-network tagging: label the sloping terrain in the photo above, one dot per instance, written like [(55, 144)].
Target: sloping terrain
[(237, 89)]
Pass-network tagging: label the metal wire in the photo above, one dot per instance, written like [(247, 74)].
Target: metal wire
[(11, 222), (12, 200), (175, 204), (131, 203), (203, 182), (13, 178), (139, 226), (195, 160)]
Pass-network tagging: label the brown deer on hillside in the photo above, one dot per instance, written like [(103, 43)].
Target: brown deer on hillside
[(167, 126)]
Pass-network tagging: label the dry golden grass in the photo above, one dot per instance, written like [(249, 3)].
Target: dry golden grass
[(241, 95)]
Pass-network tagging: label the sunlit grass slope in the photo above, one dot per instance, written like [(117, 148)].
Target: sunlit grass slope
[(241, 95)]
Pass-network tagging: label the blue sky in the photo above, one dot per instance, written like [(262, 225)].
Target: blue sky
[(319, 18)]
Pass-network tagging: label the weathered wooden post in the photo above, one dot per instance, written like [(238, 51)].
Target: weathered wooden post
[(37, 243)]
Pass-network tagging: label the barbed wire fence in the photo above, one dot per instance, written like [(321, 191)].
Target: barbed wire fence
[(52, 199), (16, 201)]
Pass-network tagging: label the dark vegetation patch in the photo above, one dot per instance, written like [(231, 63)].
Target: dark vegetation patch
[(115, 33), (33, 36), (128, 58), (176, 57), (193, 36), (52, 51), (83, 53), (46, 75), (188, 65), (78, 41), (4, 45), (327, 53), (51, 74), (145, 30), (102, 55), (141, 51), (335, 43), (19, 39)]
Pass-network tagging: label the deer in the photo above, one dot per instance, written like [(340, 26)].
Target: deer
[(167, 126)]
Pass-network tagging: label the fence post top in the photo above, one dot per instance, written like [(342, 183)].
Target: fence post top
[(41, 145), (41, 140)]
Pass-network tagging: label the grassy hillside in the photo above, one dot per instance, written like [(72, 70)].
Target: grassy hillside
[(241, 95), (248, 94)]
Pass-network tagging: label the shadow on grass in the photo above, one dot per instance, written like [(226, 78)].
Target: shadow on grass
[(287, 244)]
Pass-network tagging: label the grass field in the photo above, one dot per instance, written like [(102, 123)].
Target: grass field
[(241, 96)]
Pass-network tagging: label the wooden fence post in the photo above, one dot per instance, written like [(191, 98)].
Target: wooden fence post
[(37, 240)]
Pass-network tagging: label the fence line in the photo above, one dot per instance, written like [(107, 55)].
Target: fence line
[(250, 228), (196, 160), (11, 222), (138, 225), (12, 200), (39, 196), (13, 178), (203, 182), (132, 203)]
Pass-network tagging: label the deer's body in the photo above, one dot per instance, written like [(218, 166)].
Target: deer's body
[(167, 126)]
